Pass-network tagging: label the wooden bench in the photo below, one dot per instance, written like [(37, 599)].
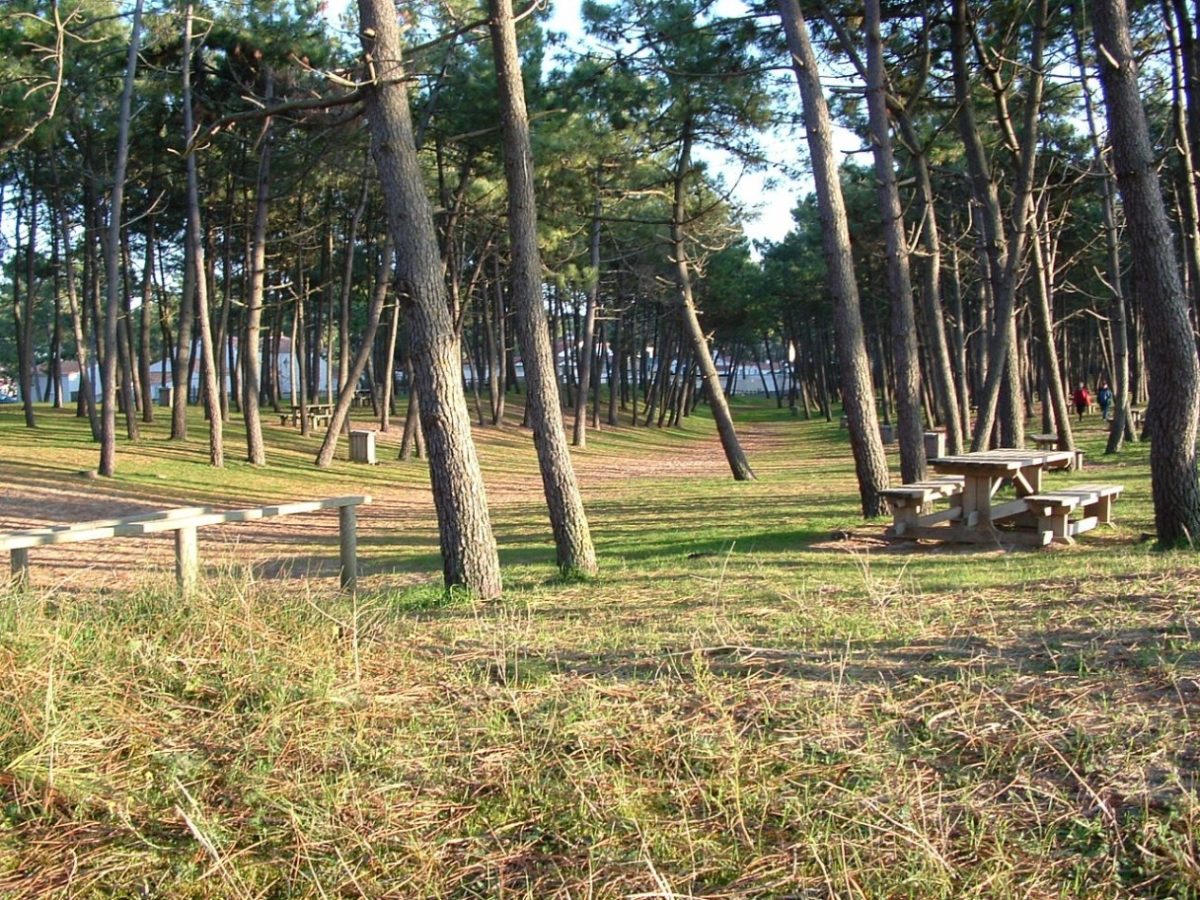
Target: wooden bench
[(1050, 442), (912, 504), (1053, 509), (185, 521)]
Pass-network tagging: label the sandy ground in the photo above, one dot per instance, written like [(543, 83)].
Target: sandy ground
[(398, 524)]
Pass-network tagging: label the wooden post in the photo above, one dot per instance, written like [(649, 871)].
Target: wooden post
[(187, 560), (348, 533), (20, 568)]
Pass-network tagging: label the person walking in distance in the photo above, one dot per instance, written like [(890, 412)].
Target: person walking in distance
[(1104, 397), (1082, 400)]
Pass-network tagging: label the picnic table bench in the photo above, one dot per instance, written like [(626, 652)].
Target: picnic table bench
[(913, 504), (1053, 509), (184, 522), (970, 482)]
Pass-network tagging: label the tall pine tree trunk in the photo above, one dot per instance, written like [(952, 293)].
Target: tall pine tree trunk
[(112, 252), (858, 398), (468, 547), (587, 350), (87, 392), (568, 520), (251, 360), (212, 398), (1171, 350), (906, 360)]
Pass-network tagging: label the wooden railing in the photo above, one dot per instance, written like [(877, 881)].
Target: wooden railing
[(184, 522)]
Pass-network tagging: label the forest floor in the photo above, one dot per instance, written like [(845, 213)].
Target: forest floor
[(757, 696)]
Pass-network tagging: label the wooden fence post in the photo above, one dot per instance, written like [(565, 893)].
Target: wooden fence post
[(187, 560), (348, 532), (20, 568)]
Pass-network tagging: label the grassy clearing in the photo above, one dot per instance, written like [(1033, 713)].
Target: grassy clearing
[(754, 699)]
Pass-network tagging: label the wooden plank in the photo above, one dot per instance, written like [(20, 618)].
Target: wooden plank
[(1102, 490), (92, 530), (945, 515), (960, 534), (1085, 524), (253, 513), (185, 521), (1007, 510)]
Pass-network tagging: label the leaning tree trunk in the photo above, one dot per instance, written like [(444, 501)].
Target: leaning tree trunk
[(354, 371), (347, 285), (23, 316), (734, 454), (935, 326), (906, 360), (112, 254), (1171, 350), (468, 546), (389, 356), (858, 397), (568, 519)]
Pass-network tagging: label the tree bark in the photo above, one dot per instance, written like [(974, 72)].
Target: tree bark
[(347, 283), (1171, 350), (212, 398), (249, 356), (112, 252), (858, 398), (468, 547), (144, 327), (1004, 257), (1116, 307), (587, 351), (349, 382), (1044, 328), (734, 454), (87, 392), (568, 520), (906, 361)]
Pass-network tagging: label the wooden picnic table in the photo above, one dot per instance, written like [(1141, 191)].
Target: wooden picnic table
[(318, 414), (969, 482), (986, 471)]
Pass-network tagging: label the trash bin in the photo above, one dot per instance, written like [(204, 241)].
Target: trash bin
[(887, 434), (362, 447), (164, 396), (935, 444)]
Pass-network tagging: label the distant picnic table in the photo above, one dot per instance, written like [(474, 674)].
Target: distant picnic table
[(969, 483), (319, 414)]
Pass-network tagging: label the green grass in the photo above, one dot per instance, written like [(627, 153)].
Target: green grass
[(755, 698)]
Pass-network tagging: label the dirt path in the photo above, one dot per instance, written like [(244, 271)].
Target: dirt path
[(303, 546)]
